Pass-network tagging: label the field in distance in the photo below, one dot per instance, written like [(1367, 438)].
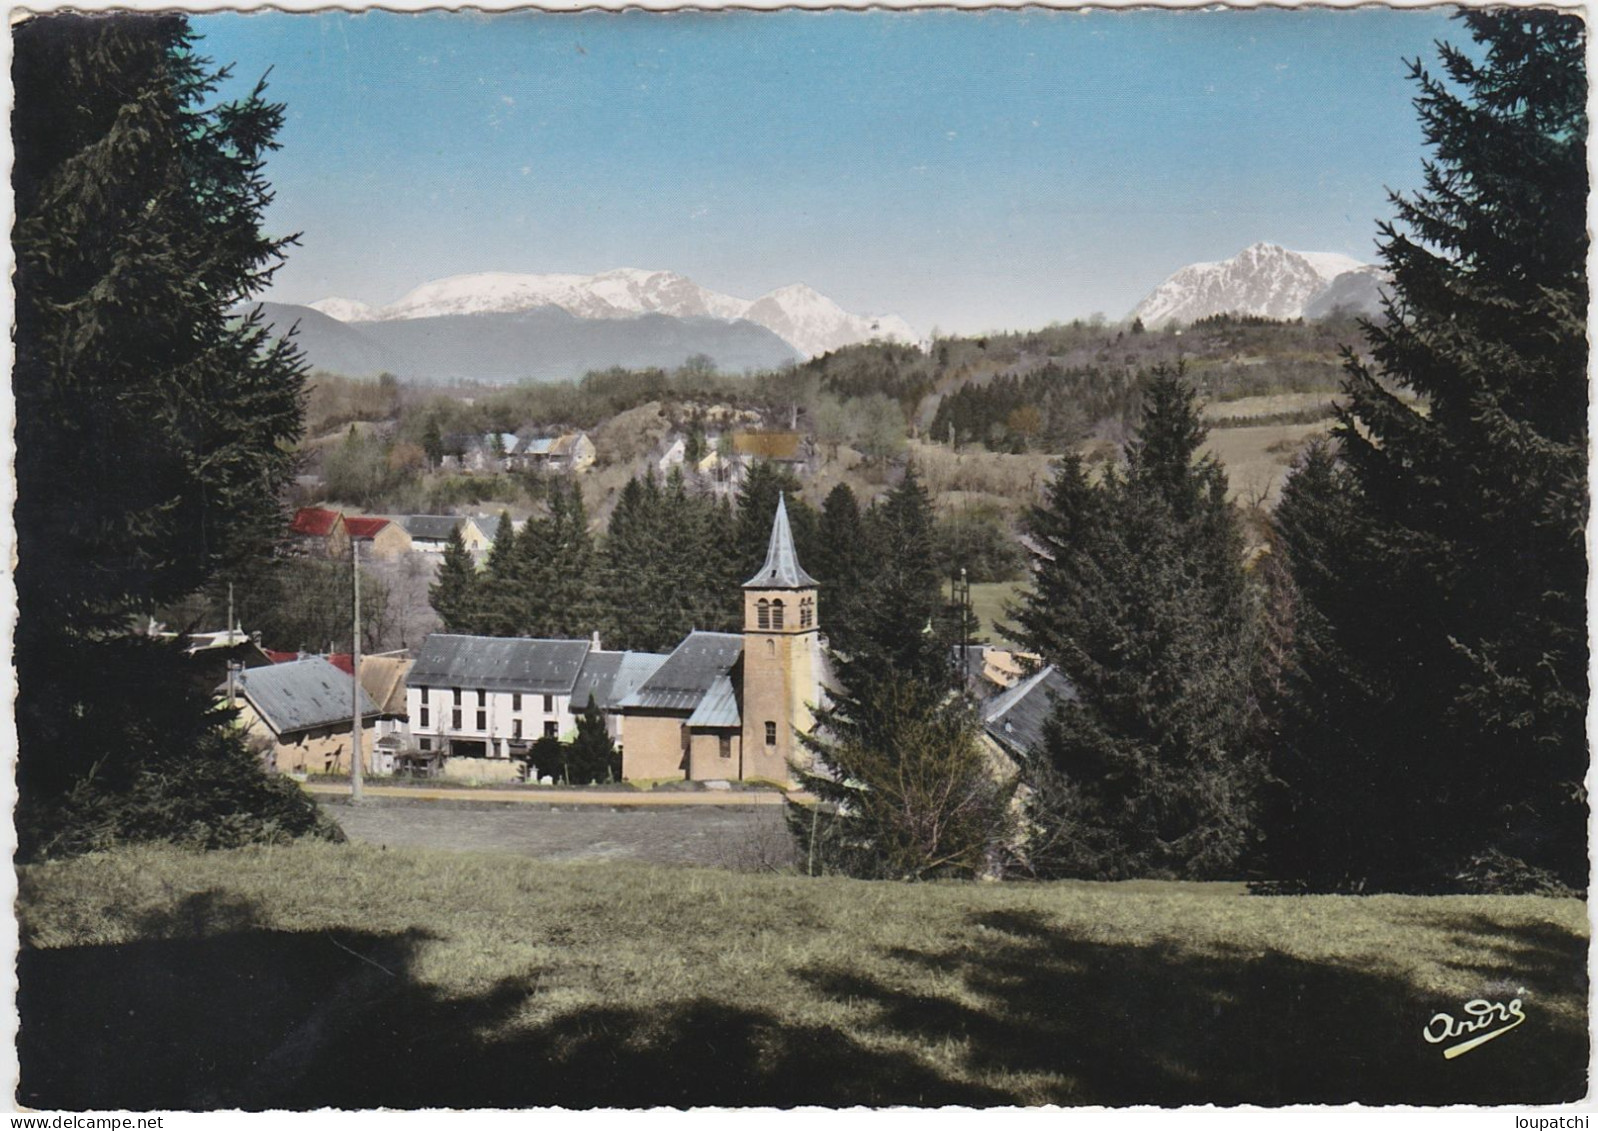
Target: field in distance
[(349, 976)]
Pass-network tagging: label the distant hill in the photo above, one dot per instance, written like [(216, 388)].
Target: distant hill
[(541, 344)]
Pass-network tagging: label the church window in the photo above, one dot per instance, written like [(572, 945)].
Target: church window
[(771, 647), (763, 613), (771, 734), (806, 613), (776, 614)]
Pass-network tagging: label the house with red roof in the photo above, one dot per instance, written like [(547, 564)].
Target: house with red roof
[(380, 538), (319, 532)]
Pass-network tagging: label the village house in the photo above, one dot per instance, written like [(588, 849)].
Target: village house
[(1014, 720), (300, 712), (319, 532), (379, 537), (573, 451), (429, 533)]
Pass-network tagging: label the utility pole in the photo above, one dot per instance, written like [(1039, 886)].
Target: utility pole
[(355, 676)]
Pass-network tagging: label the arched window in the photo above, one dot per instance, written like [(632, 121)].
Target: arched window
[(763, 615), (807, 613), (776, 614), (771, 647)]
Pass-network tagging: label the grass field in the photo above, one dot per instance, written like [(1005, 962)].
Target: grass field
[(988, 601), (348, 976)]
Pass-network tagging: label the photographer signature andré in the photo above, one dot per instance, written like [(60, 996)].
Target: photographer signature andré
[(1497, 1018)]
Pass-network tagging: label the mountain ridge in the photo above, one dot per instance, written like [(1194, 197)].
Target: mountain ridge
[(1266, 280), (808, 321)]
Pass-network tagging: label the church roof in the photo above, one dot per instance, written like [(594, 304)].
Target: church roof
[(609, 677), (782, 569), (719, 707), (682, 682)]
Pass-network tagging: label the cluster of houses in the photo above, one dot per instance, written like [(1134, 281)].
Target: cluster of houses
[(320, 532), (720, 707), (723, 460), (526, 450)]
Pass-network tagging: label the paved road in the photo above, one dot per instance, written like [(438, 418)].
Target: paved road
[(744, 837)]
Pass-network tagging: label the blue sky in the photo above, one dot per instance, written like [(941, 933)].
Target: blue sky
[(966, 170)]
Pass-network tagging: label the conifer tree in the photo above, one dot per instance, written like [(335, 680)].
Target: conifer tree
[(1139, 598), (903, 788), (147, 412), (1451, 582), (592, 755), (894, 628), (457, 593), (844, 565)]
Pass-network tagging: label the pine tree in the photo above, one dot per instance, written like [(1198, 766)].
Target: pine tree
[(457, 594), (591, 755), (1457, 610), (894, 629), (1139, 599), (904, 790), (146, 410), (844, 565)]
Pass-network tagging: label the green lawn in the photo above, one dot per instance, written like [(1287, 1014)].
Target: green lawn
[(348, 976), (988, 600)]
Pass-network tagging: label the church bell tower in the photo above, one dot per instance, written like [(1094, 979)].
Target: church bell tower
[(781, 658)]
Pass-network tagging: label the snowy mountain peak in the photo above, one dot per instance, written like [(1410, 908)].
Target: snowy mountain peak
[(807, 320), (344, 309), (1263, 279)]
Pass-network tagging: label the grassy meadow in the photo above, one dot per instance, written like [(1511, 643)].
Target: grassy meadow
[(344, 975)]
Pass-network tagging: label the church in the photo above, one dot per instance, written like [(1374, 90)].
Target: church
[(720, 707)]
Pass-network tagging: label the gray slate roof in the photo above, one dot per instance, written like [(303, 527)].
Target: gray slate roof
[(1016, 718), (719, 707), (499, 663), (300, 695), (612, 676), (782, 569), (688, 673), (428, 527)]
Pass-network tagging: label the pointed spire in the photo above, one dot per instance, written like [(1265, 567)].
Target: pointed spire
[(782, 569)]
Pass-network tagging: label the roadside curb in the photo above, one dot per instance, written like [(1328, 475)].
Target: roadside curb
[(564, 797)]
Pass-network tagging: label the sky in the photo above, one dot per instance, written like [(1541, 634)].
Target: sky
[(966, 170)]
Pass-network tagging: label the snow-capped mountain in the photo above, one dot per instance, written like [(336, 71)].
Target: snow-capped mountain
[(808, 321), (345, 309), (813, 324), (1263, 279)]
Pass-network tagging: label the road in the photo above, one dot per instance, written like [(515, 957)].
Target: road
[(721, 830)]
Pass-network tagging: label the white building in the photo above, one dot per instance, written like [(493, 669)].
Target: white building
[(489, 697)]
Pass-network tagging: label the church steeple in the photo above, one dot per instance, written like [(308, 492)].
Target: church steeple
[(782, 569)]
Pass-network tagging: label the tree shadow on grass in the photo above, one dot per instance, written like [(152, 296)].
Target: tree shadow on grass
[(214, 1011), (1115, 1024)]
